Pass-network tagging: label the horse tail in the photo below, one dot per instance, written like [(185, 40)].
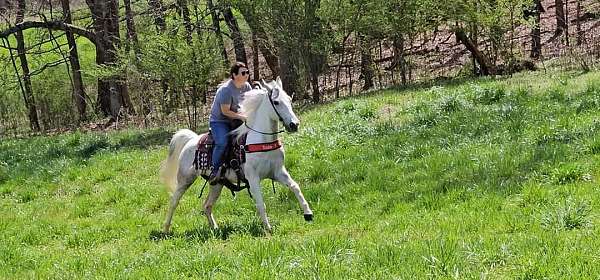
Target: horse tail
[(170, 166)]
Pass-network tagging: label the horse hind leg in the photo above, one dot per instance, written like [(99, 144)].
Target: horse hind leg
[(213, 195), (187, 181)]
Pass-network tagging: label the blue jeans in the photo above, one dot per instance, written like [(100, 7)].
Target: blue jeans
[(220, 131)]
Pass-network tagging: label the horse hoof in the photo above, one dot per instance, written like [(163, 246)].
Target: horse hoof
[(308, 217)]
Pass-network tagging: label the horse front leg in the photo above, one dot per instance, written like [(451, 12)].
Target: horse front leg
[(284, 177), (254, 182), (213, 195)]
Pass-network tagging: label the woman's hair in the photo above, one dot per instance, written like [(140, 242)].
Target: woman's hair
[(235, 68)]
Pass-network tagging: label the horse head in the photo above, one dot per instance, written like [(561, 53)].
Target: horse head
[(281, 103)]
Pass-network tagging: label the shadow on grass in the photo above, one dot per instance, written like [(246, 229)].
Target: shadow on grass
[(18, 157), (308, 106), (137, 140), (145, 140), (204, 233)]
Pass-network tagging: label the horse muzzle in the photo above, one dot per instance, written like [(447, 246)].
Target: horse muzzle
[(292, 127)]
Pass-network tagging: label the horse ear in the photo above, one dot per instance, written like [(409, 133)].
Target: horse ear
[(256, 85), (279, 82), (265, 85)]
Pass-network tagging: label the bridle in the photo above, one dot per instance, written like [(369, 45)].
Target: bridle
[(270, 95)]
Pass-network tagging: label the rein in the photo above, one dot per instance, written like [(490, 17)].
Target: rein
[(263, 133)]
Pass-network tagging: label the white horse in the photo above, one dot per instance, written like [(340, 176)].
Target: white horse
[(264, 108)]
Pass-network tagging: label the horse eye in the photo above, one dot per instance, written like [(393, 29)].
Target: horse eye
[(276, 102)]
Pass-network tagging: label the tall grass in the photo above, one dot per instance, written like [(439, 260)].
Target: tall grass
[(484, 179)]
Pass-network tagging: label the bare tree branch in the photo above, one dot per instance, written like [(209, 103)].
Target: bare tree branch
[(54, 25)]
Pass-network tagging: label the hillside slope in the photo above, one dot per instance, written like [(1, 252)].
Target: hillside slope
[(482, 178)]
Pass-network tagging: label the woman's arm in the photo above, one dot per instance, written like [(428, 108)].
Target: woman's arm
[(225, 109)]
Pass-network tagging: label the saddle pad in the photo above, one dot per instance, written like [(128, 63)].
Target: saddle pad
[(203, 158)]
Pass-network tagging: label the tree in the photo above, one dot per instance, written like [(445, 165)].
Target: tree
[(78, 90), (132, 36), (559, 12), (315, 58), (184, 13), (486, 67), (264, 42), (579, 31), (157, 8), (494, 21), (533, 13), (238, 40), (28, 96), (255, 61), (112, 90), (214, 15), (366, 62)]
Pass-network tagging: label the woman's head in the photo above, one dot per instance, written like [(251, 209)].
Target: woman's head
[(239, 72)]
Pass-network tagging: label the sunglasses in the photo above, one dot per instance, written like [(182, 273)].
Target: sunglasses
[(244, 73)]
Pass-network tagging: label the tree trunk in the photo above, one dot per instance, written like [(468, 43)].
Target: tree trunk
[(105, 15), (366, 63), (289, 71), (475, 40), (486, 66), (114, 41), (255, 62), (316, 60), (28, 94), (184, 12), (214, 15), (559, 12), (238, 41), (78, 89), (119, 93), (578, 24), (264, 42), (567, 22), (399, 57), (157, 8), (131, 32), (187, 23), (98, 10), (536, 39), (314, 83)]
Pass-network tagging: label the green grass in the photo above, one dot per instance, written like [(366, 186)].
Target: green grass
[(488, 178)]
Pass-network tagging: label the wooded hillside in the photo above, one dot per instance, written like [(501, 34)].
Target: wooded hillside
[(97, 63)]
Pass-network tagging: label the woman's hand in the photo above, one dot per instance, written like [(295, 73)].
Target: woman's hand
[(231, 114)]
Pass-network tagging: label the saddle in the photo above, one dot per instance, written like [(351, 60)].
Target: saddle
[(233, 158)]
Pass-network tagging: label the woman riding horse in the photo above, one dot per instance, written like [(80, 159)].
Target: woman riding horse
[(263, 110), (225, 109)]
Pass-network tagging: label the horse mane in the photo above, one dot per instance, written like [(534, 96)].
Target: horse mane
[(251, 102)]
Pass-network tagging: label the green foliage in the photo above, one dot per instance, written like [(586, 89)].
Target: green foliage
[(172, 59)]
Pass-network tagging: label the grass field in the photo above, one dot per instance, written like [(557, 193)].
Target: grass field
[(494, 179)]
